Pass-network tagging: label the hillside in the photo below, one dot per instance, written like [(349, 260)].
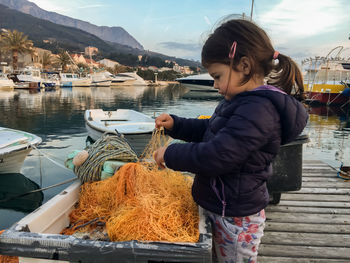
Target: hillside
[(112, 34), (72, 39)]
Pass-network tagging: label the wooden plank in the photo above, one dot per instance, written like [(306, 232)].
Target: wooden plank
[(307, 210), (307, 228), (314, 204), (308, 218), (266, 259), (315, 197), (310, 161), (307, 239), (334, 191), (304, 251), (332, 175), (339, 184), (327, 179), (318, 169)]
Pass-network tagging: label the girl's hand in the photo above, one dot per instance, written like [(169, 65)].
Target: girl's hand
[(164, 120), (158, 156)]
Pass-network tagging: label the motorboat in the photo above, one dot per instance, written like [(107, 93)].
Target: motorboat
[(127, 79), (74, 80), (327, 80), (15, 145), (136, 127), (101, 79), (200, 82), (5, 82)]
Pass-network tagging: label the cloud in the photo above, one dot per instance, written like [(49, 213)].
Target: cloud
[(180, 46), (91, 6), (291, 19)]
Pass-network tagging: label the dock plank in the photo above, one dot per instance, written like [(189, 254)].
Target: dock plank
[(312, 224)]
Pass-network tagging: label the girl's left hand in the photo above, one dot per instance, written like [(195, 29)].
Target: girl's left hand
[(158, 156)]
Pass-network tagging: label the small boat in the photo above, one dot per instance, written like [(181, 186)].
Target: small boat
[(136, 127), (5, 82), (201, 82), (74, 80), (15, 145), (327, 80)]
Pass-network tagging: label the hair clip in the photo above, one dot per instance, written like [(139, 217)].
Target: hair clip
[(232, 53), (275, 55)]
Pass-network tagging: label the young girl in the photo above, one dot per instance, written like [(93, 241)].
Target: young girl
[(231, 153)]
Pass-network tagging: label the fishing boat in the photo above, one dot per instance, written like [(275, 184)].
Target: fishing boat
[(5, 82), (327, 79), (74, 80), (202, 82), (15, 145), (136, 127)]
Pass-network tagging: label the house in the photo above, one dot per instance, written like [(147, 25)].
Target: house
[(78, 58), (90, 51), (108, 63)]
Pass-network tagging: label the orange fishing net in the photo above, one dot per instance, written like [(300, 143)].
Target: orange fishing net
[(140, 202), (7, 259)]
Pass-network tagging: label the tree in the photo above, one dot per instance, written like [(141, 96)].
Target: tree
[(16, 42), (46, 60), (63, 60)]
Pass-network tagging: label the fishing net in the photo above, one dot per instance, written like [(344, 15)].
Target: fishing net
[(140, 202)]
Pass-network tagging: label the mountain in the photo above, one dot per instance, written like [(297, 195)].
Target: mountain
[(112, 34)]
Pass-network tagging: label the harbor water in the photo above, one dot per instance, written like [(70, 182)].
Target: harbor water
[(58, 118)]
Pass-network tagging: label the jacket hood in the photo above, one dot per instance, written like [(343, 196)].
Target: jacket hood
[(293, 114)]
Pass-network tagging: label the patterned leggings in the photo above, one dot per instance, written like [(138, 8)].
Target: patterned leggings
[(236, 239)]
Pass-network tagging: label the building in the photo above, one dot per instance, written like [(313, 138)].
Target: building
[(90, 51), (79, 58), (108, 63)]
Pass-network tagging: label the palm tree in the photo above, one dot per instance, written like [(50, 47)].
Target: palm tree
[(46, 60), (16, 42), (63, 60)]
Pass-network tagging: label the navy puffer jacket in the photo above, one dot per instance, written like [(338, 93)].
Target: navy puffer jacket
[(231, 153)]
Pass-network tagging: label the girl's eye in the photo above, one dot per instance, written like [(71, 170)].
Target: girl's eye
[(216, 77)]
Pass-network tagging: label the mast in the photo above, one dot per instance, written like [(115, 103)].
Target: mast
[(251, 11)]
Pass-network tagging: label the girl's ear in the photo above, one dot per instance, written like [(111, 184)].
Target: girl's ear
[(244, 65)]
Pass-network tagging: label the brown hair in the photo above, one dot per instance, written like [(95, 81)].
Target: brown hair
[(253, 43)]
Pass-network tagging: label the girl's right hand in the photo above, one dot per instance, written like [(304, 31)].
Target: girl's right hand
[(164, 120)]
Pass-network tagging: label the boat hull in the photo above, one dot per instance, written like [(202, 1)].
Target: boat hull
[(12, 162), (327, 98)]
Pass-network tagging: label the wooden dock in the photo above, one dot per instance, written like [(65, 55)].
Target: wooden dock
[(310, 225)]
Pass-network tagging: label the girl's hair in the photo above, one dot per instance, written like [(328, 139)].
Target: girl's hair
[(253, 43)]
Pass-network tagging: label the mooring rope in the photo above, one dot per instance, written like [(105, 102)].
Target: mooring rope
[(108, 147)]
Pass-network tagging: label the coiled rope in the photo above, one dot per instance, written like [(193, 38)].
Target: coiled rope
[(108, 147)]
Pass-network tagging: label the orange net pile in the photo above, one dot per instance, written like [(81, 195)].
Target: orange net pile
[(140, 202)]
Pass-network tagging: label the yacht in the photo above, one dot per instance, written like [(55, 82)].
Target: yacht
[(74, 80), (127, 79), (5, 82), (201, 82), (101, 79)]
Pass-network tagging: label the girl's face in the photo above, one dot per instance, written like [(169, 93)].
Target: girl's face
[(226, 84)]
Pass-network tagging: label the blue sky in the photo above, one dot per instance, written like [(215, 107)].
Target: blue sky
[(298, 28)]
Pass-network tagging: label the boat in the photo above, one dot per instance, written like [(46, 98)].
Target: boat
[(101, 79), (36, 238), (200, 82), (327, 79), (6, 83), (15, 145), (136, 127), (74, 80)]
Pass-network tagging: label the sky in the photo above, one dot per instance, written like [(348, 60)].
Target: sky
[(297, 28)]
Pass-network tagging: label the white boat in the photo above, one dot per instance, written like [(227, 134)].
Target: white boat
[(127, 79), (136, 127), (36, 238), (15, 145), (201, 82), (5, 82), (74, 80), (101, 79)]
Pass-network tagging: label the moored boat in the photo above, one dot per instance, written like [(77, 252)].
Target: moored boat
[(327, 80), (201, 82), (136, 127), (15, 145), (74, 80), (6, 83)]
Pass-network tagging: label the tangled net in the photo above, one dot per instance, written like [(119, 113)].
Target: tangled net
[(140, 202)]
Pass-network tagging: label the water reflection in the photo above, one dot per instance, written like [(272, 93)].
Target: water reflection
[(13, 193)]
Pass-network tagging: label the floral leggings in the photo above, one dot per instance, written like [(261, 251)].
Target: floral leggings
[(236, 239)]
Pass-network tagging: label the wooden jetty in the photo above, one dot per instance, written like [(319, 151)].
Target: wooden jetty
[(310, 225)]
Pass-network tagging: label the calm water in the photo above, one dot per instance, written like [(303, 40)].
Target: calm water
[(57, 117)]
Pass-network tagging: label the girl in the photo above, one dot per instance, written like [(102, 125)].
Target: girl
[(231, 153)]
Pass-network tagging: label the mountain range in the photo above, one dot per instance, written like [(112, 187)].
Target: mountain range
[(113, 34)]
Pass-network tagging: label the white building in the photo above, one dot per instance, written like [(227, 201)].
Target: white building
[(108, 63)]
